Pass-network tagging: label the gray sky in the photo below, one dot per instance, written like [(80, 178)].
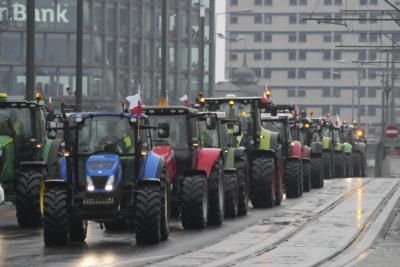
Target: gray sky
[(220, 46)]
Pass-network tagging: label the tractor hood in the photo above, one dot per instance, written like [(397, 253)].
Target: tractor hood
[(102, 165)]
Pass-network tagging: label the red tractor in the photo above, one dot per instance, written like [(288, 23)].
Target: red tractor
[(198, 185), (291, 149)]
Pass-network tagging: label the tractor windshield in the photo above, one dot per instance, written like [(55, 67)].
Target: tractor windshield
[(177, 133), (16, 122), (209, 137), (106, 133)]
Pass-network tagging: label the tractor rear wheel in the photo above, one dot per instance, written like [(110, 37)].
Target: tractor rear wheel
[(306, 176), (55, 218), (339, 165), (77, 230), (348, 166), (292, 179), (27, 196), (194, 202), (356, 158), (216, 194), (242, 171), (262, 182), (231, 195), (317, 179), (326, 165), (148, 214)]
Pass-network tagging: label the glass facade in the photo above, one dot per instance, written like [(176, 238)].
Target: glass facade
[(121, 48)]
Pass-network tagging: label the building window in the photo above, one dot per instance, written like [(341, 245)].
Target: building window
[(292, 55), (257, 55), (267, 37), (268, 2), (234, 2), (362, 55), (337, 75), (363, 2), (301, 93), (338, 2), (337, 37), (257, 37), (258, 2), (361, 92), (362, 17), (257, 72), (233, 57), (372, 55), (337, 55), (361, 110), (371, 111), (372, 74), (363, 37), (291, 74), (292, 37), (267, 19), (293, 2), (291, 93), (373, 37), (267, 73), (302, 37), (327, 2), (336, 111), (327, 38), (234, 19), (303, 2), (257, 18), (372, 92), (325, 110), (326, 74), (327, 54), (267, 55), (326, 92), (292, 19), (302, 55), (373, 16), (336, 92), (373, 2), (302, 74)]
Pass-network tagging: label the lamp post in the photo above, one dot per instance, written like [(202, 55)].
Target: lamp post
[(230, 41), (30, 49), (352, 93)]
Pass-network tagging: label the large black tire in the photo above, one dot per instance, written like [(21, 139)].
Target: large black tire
[(148, 214), (317, 179), (293, 183), (356, 164), (363, 166), (262, 182), (326, 165), (242, 171), (216, 194), (27, 196), (77, 230), (165, 209), (231, 195), (348, 166), (55, 218), (194, 202), (339, 165), (306, 176), (279, 184)]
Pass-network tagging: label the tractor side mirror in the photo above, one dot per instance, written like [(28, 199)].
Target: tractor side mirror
[(52, 131), (211, 123), (163, 130), (2, 197), (237, 129)]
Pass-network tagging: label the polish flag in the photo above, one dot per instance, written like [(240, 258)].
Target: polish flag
[(184, 100), (135, 104), (50, 103)]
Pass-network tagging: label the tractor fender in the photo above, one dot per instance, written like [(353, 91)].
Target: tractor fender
[(168, 154), (229, 159), (240, 152), (359, 147), (230, 171), (33, 164), (263, 153), (347, 148), (289, 159), (62, 169), (316, 148), (151, 169), (296, 150), (306, 153), (207, 157), (51, 154)]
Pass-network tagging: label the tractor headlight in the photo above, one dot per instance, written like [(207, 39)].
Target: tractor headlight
[(110, 183), (89, 184)]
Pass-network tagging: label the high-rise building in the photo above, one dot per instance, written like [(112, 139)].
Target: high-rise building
[(122, 48), (308, 62)]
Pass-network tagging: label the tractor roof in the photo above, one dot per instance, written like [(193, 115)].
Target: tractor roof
[(279, 116), (226, 99), (85, 115), (169, 110)]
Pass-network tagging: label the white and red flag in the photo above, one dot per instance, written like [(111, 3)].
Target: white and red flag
[(184, 100), (135, 104)]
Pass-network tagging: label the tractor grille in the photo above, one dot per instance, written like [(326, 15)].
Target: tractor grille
[(99, 181), (98, 201)]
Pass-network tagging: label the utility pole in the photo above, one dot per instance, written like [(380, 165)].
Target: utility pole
[(164, 48), (201, 51), (393, 81), (79, 54), (358, 94), (30, 49)]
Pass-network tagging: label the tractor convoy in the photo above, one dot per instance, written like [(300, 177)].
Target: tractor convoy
[(140, 167)]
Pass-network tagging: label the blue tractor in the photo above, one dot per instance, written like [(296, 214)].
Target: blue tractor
[(109, 174)]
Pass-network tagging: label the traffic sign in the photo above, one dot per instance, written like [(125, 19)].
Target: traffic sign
[(392, 131)]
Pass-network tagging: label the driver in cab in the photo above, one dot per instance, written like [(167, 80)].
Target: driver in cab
[(111, 140)]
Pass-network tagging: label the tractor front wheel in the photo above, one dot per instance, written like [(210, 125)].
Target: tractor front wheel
[(339, 165), (262, 182), (27, 196), (216, 194), (317, 179), (306, 176), (242, 172), (326, 165), (194, 202), (356, 159), (292, 179), (231, 195), (55, 217)]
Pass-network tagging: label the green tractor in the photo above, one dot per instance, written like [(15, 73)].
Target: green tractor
[(261, 145), (347, 137), (235, 167), (359, 155), (340, 149), (27, 155)]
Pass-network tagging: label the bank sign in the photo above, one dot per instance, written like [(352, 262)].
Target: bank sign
[(17, 12)]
